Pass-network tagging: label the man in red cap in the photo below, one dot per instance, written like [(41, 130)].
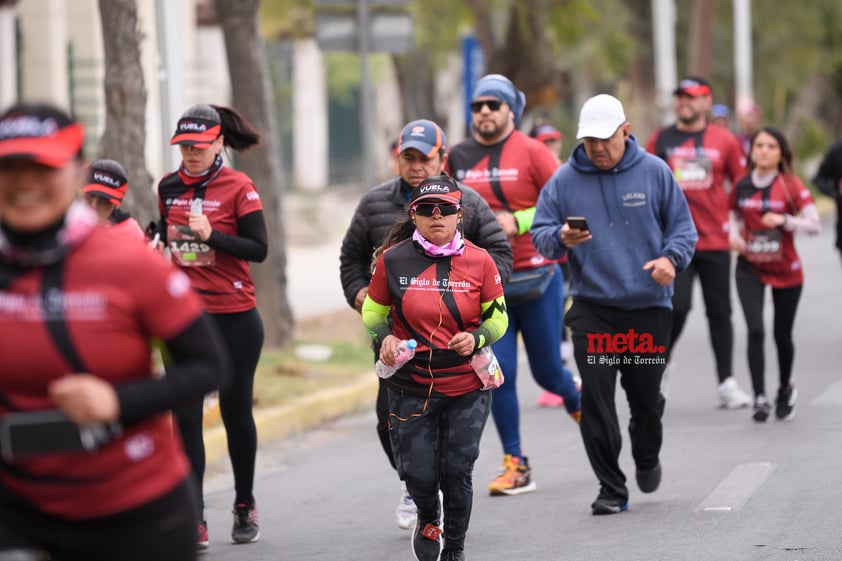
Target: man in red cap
[(703, 157)]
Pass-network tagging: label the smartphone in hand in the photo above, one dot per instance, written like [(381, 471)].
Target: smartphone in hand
[(577, 223)]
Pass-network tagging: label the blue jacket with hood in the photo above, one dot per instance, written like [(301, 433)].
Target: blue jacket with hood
[(636, 212)]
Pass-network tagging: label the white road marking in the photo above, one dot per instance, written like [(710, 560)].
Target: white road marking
[(736, 489), (831, 396)]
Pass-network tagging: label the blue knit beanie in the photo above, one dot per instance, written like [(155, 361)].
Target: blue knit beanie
[(497, 85)]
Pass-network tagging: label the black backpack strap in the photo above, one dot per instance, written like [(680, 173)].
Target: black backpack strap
[(53, 304)]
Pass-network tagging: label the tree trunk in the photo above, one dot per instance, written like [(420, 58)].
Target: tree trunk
[(416, 81), (252, 96), (701, 38), (644, 113), (526, 54), (125, 105), (805, 105)]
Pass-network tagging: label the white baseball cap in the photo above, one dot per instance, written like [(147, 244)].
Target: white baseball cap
[(600, 117)]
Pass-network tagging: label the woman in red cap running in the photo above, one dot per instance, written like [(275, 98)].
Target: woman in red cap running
[(91, 467), (212, 222)]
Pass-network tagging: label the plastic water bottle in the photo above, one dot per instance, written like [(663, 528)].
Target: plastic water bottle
[(406, 350)]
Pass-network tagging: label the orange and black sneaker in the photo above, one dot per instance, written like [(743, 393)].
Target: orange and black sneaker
[(515, 477)]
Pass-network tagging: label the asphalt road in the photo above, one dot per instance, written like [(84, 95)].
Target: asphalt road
[(733, 490)]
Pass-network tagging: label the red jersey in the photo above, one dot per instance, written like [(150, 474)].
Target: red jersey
[(701, 162), (770, 252), (516, 169), (116, 296), (223, 281), (442, 297), (128, 227)]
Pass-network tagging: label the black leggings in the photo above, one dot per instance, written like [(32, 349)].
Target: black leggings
[(163, 530), (785, 300), (839, 223), (382, 409), (243, 336), (714, 270), (436, 443)]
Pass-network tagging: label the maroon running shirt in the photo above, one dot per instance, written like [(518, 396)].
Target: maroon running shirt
[(771, 251), (518, 167), (225, 284), (438, 297), (701, 162), (111, 313)]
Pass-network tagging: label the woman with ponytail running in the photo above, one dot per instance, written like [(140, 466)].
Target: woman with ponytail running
[(212, 222)]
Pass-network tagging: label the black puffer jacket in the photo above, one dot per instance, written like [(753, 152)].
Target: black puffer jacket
[(384, 205)]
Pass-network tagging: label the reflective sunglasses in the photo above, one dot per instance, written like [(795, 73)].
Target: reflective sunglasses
[(427, 209), (493, 105)]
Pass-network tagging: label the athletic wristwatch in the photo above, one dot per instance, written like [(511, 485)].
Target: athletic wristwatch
[(673, 259)]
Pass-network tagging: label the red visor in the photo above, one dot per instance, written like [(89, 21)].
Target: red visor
[(196, 132), (547, 132), (53, 151), (110, 193)]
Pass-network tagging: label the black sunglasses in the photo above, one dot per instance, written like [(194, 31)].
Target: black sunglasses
[(493, 105), (427, 209)]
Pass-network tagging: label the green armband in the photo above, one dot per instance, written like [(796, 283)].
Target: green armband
[(524, 219)]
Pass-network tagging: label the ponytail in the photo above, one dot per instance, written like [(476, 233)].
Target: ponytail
[(238, 133)]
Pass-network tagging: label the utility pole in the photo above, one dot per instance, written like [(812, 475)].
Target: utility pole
[(663, 25), (743, 69), (365, 93), (374, 26)]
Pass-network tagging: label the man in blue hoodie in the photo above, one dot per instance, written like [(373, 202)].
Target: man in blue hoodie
[(623, 261)]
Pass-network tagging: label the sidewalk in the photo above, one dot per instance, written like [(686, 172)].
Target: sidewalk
[(315, 226)]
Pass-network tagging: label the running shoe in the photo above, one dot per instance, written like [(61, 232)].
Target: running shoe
[(762, 409), (202, 541), (426, 541), (648, 480), (406, 512), (452, 555), (785, 404), (608, 505), (245, 529), (731, 396), (515, 477), (549, 399)]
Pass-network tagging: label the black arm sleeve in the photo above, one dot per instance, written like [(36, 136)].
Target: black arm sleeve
[(198, 363), (830, 172), (252, 242)]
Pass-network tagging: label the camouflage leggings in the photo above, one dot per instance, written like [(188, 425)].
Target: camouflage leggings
[(435, 448)]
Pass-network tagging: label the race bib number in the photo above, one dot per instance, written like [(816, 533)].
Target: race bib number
[(692, 173), (187, 249), (763, 246)]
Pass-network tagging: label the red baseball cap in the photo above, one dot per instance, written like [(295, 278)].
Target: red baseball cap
[(694, 87), (545, 133)]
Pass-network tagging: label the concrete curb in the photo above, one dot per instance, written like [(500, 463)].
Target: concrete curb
[(303, 413)]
